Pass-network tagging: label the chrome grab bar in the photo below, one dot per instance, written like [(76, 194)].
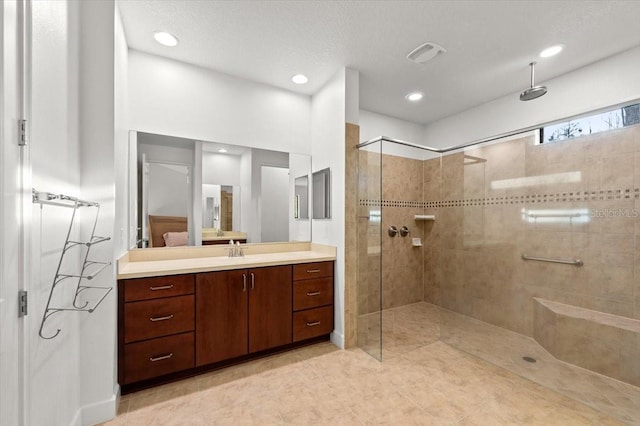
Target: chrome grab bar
[(574, 262)]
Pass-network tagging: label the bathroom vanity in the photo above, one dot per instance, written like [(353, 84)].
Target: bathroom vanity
[(183, 311)]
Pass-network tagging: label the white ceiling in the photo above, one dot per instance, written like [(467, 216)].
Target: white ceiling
[(489, 43)]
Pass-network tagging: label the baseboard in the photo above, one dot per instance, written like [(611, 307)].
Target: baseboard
[(100, 412), (337, 339)]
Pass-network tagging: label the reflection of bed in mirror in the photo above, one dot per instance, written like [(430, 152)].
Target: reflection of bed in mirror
[(159, 225), (220, 188)]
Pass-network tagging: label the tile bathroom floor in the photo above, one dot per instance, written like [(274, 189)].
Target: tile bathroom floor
[(422, 382)]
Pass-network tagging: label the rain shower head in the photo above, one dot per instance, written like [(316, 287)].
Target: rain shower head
[(533, 92)]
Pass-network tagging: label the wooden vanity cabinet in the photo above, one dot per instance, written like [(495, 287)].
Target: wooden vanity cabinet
[(241, 312), (179, 325), (312, 300), (155, 327), (222, 320)]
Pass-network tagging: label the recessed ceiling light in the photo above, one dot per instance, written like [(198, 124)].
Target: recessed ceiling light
[(299, 79), (165, 39), (551, 51), (222, 150), (414, 97)]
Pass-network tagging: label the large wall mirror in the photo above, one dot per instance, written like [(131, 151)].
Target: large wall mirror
[(189, 192)]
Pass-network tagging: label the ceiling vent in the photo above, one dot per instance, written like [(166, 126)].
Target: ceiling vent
[(425, 52)]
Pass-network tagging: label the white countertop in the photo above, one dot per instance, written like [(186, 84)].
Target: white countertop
[(150, 267)]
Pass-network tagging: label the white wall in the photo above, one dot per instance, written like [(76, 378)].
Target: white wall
[(220, 169), (122, 166), (164, 154), (259, 158), (174, 98), (275, 204), (55, 164), (167, 189), (373, 125), (605, 83), (331, 107), (98, 171), (299, 229), (246, 194)]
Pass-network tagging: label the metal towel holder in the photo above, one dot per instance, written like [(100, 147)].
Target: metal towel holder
[(90, 268)]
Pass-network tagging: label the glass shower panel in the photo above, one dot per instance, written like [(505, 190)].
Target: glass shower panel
[(480, 242), (369, 246)]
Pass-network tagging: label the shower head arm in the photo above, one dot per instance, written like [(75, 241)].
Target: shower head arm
[(532, 65)]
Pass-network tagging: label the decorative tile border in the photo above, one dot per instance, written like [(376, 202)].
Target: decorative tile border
[(569, 196)]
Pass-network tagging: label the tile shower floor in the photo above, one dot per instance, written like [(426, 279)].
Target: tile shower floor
[(422, 381)]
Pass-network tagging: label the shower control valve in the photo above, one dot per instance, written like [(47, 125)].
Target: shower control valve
[(404, 231), (393, 231)]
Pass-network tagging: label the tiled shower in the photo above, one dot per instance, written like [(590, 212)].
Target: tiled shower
[(482, 215)]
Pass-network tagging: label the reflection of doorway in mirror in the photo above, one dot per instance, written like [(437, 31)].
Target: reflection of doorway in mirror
[(274, 204), (165, 192), (226, 208)]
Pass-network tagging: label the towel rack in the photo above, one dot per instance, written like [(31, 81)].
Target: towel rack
[(90, 268), (573, 262)]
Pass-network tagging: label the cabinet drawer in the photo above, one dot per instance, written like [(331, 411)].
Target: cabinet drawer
[(312, 323), (305, 271), (160, 317), (157, 357), (312, 293), (157, 287)]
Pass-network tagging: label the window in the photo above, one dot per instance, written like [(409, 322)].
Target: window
[(596, 123)]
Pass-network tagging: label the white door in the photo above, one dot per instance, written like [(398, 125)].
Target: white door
[(11, 215)]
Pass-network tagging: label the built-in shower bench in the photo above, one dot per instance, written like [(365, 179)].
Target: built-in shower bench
[(601, 342)]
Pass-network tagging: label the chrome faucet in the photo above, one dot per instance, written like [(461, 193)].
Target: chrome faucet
[(236, 250)]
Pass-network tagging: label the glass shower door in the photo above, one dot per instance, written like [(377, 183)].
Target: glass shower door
[(369, 244)]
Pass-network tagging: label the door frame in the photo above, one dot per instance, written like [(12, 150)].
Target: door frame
[(15, 187)]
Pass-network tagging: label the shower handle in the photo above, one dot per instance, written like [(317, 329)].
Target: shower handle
[(404, 231), (393, 231)]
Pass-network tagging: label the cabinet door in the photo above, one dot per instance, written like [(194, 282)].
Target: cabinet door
[(221, 315), (270, 307)]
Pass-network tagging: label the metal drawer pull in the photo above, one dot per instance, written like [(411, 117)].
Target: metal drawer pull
[(313, 324), (244, 282), (312, 271), (160, 358), (313, 293), (253, 281), (168, 317), (162, 287)]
